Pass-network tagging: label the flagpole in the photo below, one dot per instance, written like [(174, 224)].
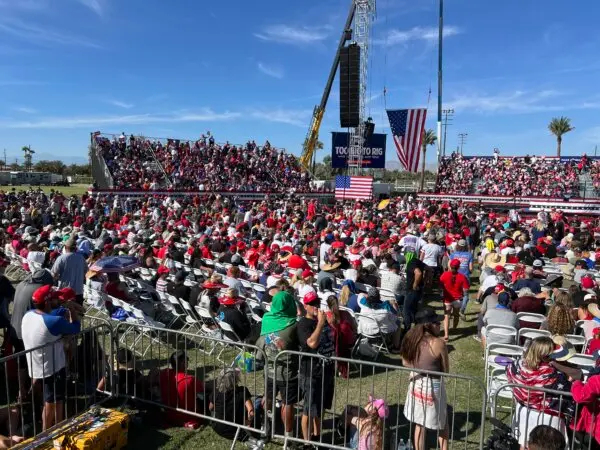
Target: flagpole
[(440, 45)]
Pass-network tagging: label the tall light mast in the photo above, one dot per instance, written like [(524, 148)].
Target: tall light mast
[(363, 18)]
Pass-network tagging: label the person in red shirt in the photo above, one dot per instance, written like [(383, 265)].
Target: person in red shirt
[(296, 261), (182, 391), (455, 286)]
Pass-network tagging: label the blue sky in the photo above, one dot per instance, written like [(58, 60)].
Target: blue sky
[(256, 69)]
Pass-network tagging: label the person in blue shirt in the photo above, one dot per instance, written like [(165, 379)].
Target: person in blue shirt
[(465, 257), (528, 282)]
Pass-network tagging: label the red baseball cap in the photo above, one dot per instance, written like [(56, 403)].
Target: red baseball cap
[(311, 298), (338, 244), (307, 273), (162, 270), (455, 263), (587, 283), (499, 268), (42, 294), (66, 294)]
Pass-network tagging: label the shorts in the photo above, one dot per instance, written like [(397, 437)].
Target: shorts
[(448, 307), (287, 390), (55, 387), (318, 392)]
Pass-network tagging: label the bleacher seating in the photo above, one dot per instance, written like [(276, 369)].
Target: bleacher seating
[(140, 163), (519, 176)]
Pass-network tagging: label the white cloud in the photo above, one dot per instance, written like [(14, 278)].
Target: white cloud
[(25, 110), (519, 101), (203, 115), (272, 71), (403, 37), (119, 103), (293, 117), (515, 102), (41, 36), (296, 117), (96, 6), (287, 34)]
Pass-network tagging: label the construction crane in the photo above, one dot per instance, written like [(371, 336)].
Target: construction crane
[(362, 13)]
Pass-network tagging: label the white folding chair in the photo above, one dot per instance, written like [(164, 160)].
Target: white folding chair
[(494, 350), (349, 311), (191, 322), (531, 317), (497, 379), (258, 289), (387, 295), (531, 333), (252, 305), (376, 339), (577, 340), (500, 334), (583, 362)]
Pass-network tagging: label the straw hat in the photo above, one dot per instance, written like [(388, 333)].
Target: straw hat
[(494, 259), (563, 350), (594, 310), (214, 282), (329, 267)]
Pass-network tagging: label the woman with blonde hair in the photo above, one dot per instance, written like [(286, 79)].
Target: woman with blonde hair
[(349, 296), (532, 371), (303, 282)]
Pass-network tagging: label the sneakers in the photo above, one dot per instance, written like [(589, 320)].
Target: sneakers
[(462, 315), (477, 338)]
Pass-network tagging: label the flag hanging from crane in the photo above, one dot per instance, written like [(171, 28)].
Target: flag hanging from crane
[(407, 127)]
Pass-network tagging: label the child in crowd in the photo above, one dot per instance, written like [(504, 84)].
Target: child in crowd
[(364, 426)]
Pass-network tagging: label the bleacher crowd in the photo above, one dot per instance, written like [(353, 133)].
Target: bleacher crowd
[(204, 165), (345, 280), (519, 176)]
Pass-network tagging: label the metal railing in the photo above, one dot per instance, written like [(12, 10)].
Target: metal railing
[(540, 406), (191, 376), (46, 386)]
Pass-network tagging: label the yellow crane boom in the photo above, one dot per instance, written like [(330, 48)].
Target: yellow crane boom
[(312, 137)]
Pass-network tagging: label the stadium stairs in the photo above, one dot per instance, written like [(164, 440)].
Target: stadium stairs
[(586, 186)]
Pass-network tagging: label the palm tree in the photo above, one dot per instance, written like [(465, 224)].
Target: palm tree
[(559, 126), (429, 138)]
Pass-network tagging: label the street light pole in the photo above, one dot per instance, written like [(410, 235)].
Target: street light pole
[(462, 137), (448, 113), (440, 46)]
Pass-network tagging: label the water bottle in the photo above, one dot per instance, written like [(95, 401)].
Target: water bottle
[(401, 445)]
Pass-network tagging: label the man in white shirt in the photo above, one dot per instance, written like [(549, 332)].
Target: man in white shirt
[(430, 255), (42, 330), (325, 246)]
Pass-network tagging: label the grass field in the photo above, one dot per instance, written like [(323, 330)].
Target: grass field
[(77, 189), (465, 359)]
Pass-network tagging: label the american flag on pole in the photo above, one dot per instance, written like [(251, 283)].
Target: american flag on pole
[(407, 127), (347, 187)]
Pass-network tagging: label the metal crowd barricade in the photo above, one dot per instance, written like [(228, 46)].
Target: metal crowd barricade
[(433, 399), (179, 373), (560, 412), (47, 385)]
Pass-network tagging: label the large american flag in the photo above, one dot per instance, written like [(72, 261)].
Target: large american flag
[(353, 187), (407, 127)]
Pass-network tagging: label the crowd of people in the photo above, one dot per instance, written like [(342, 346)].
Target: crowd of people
[(203, 165), (131, 162), (519, 176), (319, 265)]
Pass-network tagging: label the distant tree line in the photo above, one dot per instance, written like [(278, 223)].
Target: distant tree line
[(54, 166)]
